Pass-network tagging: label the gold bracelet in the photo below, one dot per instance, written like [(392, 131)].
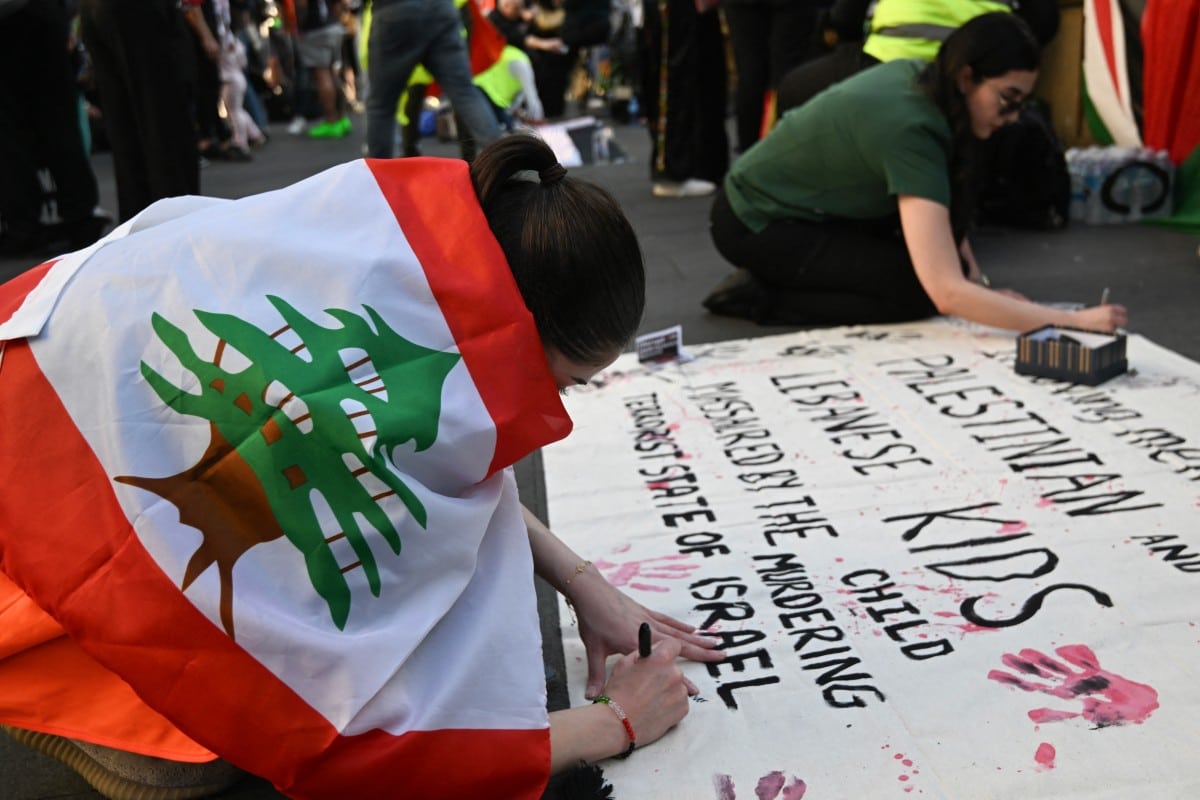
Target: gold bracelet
[(578, 571)]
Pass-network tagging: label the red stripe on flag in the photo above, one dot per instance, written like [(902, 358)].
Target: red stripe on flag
[(487, 42), (65, 540), (1171, 78), (1104, 26), (435, 204), (14, 292)]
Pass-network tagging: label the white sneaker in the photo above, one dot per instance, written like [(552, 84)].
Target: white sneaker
[(692, 187), (297, 126)]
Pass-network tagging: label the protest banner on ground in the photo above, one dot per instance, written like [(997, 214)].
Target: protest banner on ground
[(932, 576)]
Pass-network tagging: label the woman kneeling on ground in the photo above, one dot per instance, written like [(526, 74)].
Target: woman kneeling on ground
[(258, 504), (855, 208)]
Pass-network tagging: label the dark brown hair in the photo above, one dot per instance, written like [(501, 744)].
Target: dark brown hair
[(571, 249), (991, 45)]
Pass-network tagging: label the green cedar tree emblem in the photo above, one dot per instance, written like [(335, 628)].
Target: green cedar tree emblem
[(256, 480)]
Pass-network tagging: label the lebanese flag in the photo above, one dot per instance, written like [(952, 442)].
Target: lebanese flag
[(255, 464), (1106, 68), (1170, 30)]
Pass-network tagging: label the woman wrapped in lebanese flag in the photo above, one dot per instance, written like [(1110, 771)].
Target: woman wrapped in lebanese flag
[(258, 512)]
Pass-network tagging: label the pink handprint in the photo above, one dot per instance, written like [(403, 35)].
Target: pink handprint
[(1108, 699), (772, 786), (660, 568)]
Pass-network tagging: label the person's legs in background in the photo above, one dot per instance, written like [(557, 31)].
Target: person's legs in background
[(749, 31), (687, 122), (351, 70), (448, 60), (137, 54), (410, 131), (769, 38), (20, 190), (320, 52), (396, 44), (213, 138), (40, 128), (793, 39)]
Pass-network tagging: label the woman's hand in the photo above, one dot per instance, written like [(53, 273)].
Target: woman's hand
[(554, 45), (1107, 318), (609, 621), (652, 694), (608, 618), (652, 691)]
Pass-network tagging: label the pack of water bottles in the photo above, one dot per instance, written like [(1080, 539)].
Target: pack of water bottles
[(1112, 185)]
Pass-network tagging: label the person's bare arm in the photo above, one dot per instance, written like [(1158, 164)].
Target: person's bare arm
[(935, 258), (608, 618), (195, 18), (554, 45)]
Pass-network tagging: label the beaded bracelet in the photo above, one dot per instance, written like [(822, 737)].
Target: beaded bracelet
[(620, 712)]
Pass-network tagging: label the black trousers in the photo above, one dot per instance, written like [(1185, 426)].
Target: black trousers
[(138, 50), (688, 132), (39, 120), (551, 72), (836, 272), (769, 38), (205, 80)]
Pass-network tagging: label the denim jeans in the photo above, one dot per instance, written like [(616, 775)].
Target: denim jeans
[(405, 33)]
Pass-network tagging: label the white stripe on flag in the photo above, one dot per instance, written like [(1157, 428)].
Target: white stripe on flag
[(1111, 100), (39, 303)]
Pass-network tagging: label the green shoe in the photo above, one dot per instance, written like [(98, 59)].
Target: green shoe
[(330, 130)]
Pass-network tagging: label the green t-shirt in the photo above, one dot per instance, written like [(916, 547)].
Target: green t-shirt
[(847, 153)]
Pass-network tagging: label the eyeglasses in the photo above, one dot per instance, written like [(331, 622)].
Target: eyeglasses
[(1011, 102)]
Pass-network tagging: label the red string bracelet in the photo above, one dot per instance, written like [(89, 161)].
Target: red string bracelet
[(620, 712)]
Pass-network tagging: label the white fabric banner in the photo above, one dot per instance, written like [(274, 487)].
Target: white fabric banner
[(932, 576)]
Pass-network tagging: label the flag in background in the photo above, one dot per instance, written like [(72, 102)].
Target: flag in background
[(254, 456), (1170, 30), (1111, 52)]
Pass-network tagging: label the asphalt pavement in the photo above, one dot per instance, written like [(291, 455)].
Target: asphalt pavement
[(1154, 271)]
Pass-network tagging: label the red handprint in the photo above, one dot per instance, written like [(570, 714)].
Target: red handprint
[(634, 573), (1108, 699), (772, 786)]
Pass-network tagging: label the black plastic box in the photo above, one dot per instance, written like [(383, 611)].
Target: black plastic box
[(1071, 354)]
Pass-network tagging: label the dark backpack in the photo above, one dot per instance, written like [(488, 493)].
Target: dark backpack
[(1024, 178)]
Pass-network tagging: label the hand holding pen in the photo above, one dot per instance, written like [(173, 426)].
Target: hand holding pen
[(645, 648), (1106, 317)]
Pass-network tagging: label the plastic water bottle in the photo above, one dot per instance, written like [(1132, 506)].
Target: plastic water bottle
[(633, 109), (1093, 181), (1157, 185), (1075, 166)]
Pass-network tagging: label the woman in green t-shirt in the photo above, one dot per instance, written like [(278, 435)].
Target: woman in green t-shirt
[(854, 209)]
